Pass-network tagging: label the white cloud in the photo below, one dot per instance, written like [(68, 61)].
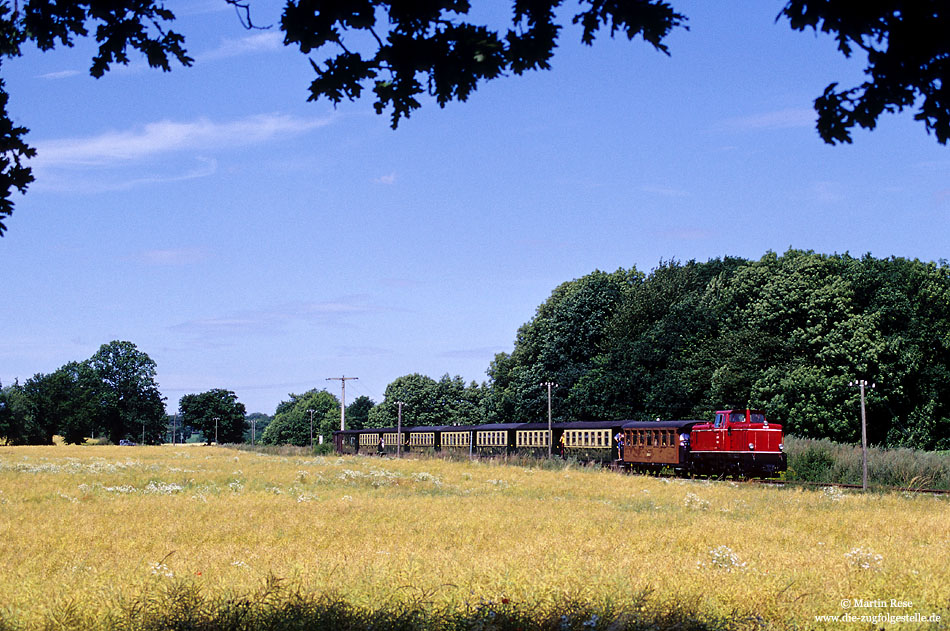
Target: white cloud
[(780, 119), (117, 147), (58, 180), (263, 42), (62, 74), (386, 179), (269, 321), (172, 256)]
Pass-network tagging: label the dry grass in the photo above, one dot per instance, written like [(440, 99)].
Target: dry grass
[(92, 528)]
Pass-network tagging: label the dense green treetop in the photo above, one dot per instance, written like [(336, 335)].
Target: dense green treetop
[(217, 414), (784, 333), (128, 401), (64, 402), (557, 345), (113, 393), (448, 401), (357, 412), (292, 420), (16, 421)]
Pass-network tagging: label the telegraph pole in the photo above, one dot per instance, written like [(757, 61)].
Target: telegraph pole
[(342, 381), (399, 430), (550, 384), (864, 433), (311, 429)]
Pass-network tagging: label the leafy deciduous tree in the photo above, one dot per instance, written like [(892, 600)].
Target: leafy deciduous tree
[(357, 412), (292, 420), (448, 401), (128, 401), (217, 414)]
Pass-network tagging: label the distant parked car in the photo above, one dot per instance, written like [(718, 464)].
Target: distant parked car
[(126, 443)]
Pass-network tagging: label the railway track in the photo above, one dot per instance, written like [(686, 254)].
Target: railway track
[(874, 488), (858, 487)]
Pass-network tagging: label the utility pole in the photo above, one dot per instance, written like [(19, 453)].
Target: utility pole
[(864, 433), (342, 381), (216, 430), (399, 430), (550, 384), (311, 429)]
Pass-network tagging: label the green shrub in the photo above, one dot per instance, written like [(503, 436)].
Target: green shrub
[(813, 460)]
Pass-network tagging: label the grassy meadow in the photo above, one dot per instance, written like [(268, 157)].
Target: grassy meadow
[(118, 537)]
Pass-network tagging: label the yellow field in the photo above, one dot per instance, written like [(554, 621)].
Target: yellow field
[(88, 526)]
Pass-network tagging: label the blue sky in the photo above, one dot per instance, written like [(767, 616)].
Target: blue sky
[(247, 239)]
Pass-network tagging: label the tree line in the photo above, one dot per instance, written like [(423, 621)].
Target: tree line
[(111, 394), (786, 334)]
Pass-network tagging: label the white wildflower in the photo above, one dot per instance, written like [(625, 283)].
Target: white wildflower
[(162, 488), (160, 569), (695, 502), (425, 476), (124, 489), (833, 493), (864, 559), (723, 558)]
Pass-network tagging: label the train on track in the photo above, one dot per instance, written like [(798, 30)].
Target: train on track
[(740, 443)]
